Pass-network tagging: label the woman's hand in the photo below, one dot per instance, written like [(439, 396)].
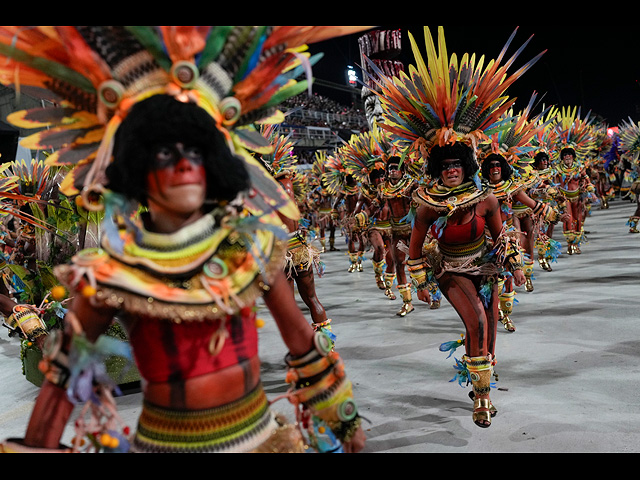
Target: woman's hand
[(356, 443), (518, 278), (424, 296)]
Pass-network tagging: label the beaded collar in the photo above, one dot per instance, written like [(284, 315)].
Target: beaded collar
[(399, 189), (506, 188), (573, 170), (205, 270), (445, 199)]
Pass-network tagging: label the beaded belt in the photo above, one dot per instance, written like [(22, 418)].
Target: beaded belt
[(241, 426), (463, 252), (571, 195), (381, 225)]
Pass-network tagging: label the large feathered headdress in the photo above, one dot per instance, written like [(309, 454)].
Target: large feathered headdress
[(444, 100), (95, 74), (366, 152), (629, 134), (515, 139), (574, 131)]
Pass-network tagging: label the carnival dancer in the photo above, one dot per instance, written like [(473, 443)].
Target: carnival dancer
[(438, 113), (511, 150), (301, 257), (543, 190), (576, 140), (184, 274), (507, 190), (629, 139), (323, 204), (365, 158), (345, 189), (396, 192), (571, 178)]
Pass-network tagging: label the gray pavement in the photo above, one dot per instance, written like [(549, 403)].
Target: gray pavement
[(568, 377)]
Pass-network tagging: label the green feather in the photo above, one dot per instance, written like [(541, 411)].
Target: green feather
[(215, 43), (150, 40)]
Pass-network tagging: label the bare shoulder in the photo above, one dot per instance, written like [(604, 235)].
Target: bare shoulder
[(488, 205)]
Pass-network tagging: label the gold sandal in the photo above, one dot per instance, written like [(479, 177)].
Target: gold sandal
[(480, 371)]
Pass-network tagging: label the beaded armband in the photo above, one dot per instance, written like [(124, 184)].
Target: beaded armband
[(26, 321), (319, 383), (514, 258), (546, 212), (362, 219), (420, 273)]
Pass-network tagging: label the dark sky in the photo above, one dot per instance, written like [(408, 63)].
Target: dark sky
[(594, 67)]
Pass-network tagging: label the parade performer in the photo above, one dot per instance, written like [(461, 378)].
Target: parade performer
[(323, 203), (507, 190), (512, 148), (365, 157), (172, 109), (543, 190), (629, 136), (397, 193), (575, 141), (441, 114), (605, 142), (301, 257), (345, 189)]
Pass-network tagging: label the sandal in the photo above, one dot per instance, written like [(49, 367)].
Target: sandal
[(482, 412), (492, 409), (480, 371), (508, 324)]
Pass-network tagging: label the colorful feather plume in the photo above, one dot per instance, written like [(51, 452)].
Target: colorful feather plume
[(95, 74), (574, 131), (629, 135), (443, 100)]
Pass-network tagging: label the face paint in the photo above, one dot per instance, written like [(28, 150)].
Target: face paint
[(177, 184), (495, 172), (452, 172)]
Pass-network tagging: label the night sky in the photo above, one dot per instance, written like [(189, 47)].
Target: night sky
[(596, 68)]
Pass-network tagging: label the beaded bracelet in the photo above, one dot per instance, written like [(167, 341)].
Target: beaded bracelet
[(319, 383)]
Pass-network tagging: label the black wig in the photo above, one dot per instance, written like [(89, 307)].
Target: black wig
[(537, 160), (162, 120), (458, 151), (567, 151), (507, 171)]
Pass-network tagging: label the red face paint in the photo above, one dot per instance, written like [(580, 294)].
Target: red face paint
[(178, 182)]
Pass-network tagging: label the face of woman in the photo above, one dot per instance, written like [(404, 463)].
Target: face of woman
[(394, 172), (495, 172), (452, 172), (177, 184), (567, 158)]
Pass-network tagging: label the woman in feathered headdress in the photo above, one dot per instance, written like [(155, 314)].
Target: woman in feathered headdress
[(576, 140), (630, 144), (506, 167), (440, 111), (544, 190), (301, 257), (344, 187), (160, 120)]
